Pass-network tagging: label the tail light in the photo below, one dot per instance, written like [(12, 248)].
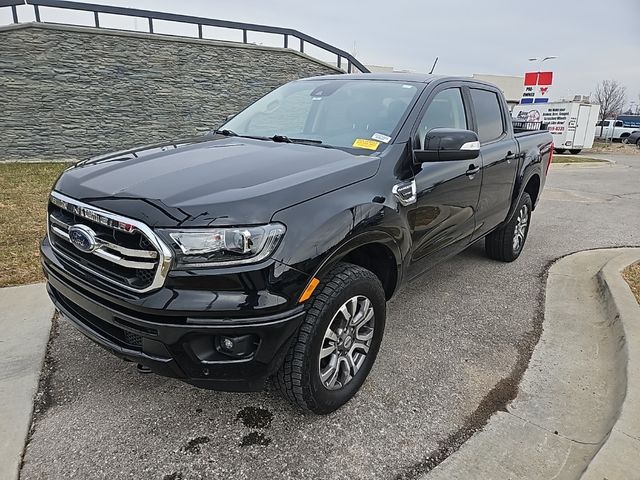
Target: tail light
[(550, 159)]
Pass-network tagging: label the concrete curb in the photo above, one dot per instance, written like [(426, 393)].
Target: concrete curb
[(25, 323), (619, 454), (578, 402)]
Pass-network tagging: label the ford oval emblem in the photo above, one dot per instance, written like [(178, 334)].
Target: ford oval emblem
[(83, 238)]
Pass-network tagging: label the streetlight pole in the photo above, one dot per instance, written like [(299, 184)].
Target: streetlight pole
[(542, 59)]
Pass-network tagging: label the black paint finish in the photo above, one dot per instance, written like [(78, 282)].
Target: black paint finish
[(337, 204)]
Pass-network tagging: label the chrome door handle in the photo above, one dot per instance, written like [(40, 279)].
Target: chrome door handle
[(472, 170)]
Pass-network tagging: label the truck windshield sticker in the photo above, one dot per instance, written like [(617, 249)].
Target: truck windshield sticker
[(381, 137), (364, 143)]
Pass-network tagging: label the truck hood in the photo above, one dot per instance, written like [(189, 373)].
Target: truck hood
[(210, 182)]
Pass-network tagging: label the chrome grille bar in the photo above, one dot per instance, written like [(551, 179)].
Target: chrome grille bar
[(99, 252), (129, 252), (160, 258)]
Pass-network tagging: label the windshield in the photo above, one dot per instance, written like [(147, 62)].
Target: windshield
[(342, 113)]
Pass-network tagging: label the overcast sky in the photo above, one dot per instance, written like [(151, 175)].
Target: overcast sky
[(593, 39)]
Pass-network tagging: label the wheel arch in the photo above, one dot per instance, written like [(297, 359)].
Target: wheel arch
[(374, 250)]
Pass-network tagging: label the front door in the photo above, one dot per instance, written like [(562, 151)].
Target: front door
[(442, 219)]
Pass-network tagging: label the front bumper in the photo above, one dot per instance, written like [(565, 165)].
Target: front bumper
[(172, 346)]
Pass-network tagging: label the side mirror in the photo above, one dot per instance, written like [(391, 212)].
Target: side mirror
[(442, 144)]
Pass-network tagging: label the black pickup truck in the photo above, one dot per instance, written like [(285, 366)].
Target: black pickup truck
[(269, 247)]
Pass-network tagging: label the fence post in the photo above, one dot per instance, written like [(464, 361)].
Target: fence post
[(339, 61), (14, 12), (199, 30), (286, 41), (97, 20), (244, 35), (150, 25), (301, 46), (36, 10), (349, 66)]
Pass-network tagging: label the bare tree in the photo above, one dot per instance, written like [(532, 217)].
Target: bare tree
[(611, 96)]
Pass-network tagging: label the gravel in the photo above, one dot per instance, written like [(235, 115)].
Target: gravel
[(457, 341)]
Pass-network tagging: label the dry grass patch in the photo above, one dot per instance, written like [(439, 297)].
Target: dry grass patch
[(24, 188), (574, 159), (632, 275)]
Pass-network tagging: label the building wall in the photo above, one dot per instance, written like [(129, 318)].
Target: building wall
[(73, 92)]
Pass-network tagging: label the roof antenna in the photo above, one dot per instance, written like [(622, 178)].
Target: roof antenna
[(434, 66)]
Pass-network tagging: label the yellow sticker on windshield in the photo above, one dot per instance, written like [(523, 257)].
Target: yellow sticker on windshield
[(364, 143)]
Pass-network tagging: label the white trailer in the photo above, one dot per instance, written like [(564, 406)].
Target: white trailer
[(572, 124)]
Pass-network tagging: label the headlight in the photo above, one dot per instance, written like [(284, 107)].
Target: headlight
[(211, 247)]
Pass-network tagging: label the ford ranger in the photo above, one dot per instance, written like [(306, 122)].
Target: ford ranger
[(268, 248)]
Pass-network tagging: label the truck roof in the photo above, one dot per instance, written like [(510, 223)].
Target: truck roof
[(395, 76)]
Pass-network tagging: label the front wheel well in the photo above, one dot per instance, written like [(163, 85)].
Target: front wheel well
[(533, 188), (378, 259)]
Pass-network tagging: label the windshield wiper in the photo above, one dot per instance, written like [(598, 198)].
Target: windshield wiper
[(226, 132), (285, 139)]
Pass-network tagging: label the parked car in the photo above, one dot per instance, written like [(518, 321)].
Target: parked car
[(613, 130), (633, 139), (270, 247)]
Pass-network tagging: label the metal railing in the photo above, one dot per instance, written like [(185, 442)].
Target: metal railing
[(287, 33)]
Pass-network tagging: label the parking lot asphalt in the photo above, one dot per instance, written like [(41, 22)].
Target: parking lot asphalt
[(456, 343)]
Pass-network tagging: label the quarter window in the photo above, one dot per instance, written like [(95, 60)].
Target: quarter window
[(488, 115), (446, 110)]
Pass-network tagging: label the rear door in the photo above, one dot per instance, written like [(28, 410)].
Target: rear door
[(442, 219), (500, 157), (582, 122)]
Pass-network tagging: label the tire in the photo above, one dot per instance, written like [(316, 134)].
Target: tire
[(638, 143), (560, 151), (575, 151), (501, 243), (299, 378), (624, 139)]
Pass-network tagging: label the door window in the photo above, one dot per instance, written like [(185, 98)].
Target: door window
[(488, 115), (446, 110)]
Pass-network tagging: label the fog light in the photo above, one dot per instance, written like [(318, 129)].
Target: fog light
[(228, 344), (237, 346)]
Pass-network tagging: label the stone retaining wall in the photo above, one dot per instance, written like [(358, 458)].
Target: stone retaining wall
[(73, 92)]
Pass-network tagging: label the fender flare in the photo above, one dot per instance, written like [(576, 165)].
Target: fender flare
[(361, 239)]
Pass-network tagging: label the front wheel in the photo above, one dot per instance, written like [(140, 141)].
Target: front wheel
[(337, 343), (506, 243), (560, 151)]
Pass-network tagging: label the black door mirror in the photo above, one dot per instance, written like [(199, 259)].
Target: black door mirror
[(441, 144)]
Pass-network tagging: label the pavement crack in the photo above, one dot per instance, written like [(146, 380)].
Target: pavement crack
[(632, 437), (555, 432)]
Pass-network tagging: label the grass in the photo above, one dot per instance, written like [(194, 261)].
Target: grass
[(24, 188), (574, 159), (632, 275)]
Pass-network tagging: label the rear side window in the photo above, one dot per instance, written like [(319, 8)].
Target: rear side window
[(488, 115)]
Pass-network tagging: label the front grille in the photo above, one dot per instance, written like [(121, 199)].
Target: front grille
[(122, 251)]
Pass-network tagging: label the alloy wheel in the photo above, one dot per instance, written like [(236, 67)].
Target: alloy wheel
[(346, 342), (520, 233)]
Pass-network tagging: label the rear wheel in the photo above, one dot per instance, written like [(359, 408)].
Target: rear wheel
[(575, 151), (624, 139), (506, 243), (337, 343)]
